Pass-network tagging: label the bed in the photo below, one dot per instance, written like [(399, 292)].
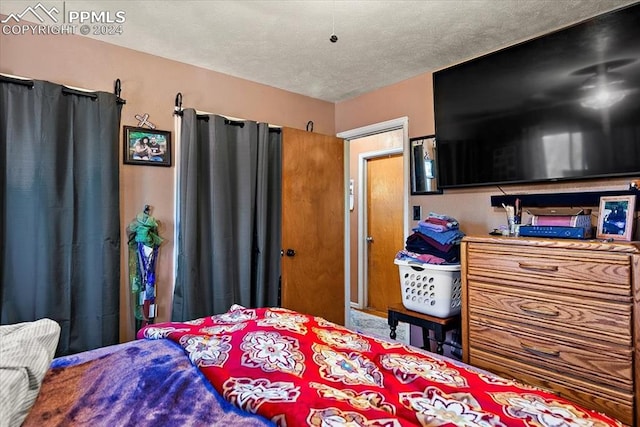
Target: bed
[(273, 366)]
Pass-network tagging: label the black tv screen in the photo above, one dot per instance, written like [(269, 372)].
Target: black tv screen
[(564, 106)]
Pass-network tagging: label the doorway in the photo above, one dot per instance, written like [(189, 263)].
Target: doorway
[(381, 225), (356, 258)]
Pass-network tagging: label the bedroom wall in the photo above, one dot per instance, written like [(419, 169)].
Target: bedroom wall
[(149, 85), (472, 207)]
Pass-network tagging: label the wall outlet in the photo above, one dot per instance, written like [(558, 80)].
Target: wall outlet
[(417, 213)]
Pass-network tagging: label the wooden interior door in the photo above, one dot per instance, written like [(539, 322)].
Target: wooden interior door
[(313, 224), (385, 235)]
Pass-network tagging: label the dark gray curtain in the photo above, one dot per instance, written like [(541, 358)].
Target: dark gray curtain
[(229, 216), (60, 223)]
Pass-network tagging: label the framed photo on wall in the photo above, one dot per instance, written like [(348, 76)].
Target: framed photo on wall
[(615, 217), (423, 165), (150, 147)]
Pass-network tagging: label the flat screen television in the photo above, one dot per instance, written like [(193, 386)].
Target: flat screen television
[(563, 106)]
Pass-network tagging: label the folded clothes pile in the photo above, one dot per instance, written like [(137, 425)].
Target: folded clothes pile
[(436, 240)]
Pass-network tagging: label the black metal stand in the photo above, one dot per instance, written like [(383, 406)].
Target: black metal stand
[(439, 326), (543, 200)]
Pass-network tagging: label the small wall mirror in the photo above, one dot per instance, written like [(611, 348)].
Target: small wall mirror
[(423, 165)]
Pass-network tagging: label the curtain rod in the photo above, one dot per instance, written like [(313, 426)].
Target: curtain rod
[(116, 90), (232, 123), (22, 82), (177, 110), (226, 121), (66, 90), (69, 91), (178, 106)]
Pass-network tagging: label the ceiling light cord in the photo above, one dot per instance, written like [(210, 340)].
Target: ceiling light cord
[(333, 38)]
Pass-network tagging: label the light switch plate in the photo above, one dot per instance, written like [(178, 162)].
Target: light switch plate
[(417, 213)]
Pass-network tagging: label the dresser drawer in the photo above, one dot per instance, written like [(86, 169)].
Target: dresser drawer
[(591, 319), (559, 314), (565, 270), (614, 402), (590, 361)]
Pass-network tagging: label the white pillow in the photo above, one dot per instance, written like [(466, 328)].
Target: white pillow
[(26, 351)]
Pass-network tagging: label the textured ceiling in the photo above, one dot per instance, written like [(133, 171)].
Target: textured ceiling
[(286, 44)]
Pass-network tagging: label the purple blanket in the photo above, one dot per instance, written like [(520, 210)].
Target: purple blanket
[(140, 383)]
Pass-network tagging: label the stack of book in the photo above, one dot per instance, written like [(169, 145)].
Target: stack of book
[(572, 224)]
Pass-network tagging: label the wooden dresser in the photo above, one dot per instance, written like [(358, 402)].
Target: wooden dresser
[(558, 314)]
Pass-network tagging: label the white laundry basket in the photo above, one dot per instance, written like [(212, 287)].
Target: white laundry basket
[(431, 289)]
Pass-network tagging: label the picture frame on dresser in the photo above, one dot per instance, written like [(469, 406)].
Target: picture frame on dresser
[(615, 217)]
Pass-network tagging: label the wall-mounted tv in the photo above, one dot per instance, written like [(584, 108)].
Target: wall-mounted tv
[(564, 106)]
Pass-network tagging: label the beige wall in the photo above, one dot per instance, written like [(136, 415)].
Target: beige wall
[(412, 98), (472, 207), (150, 85)]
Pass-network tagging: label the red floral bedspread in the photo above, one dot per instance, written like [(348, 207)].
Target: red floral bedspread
[(299, 370)]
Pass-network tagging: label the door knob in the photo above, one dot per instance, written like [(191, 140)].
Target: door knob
[(290, 252), (369, 239)]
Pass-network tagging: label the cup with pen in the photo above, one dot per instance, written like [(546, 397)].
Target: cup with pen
[(514, 215)]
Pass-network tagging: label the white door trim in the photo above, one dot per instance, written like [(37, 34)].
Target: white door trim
[(389, 125), (381, 127)]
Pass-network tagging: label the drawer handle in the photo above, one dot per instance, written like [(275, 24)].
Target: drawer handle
[(540, 311), (541, 352), (537, 267)]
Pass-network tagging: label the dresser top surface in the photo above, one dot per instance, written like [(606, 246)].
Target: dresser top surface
[(592, 244)]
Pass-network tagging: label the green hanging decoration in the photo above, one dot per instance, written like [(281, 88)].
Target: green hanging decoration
[(144, 242)]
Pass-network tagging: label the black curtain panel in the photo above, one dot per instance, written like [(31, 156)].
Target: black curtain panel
[(60, 211), (229, 216)]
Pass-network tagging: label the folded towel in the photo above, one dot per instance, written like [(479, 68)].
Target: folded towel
[(441, 216), (422, 240), (447, 221), (448, 237), (406, 255), (443, 222), (432, 226), (452, 256)]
